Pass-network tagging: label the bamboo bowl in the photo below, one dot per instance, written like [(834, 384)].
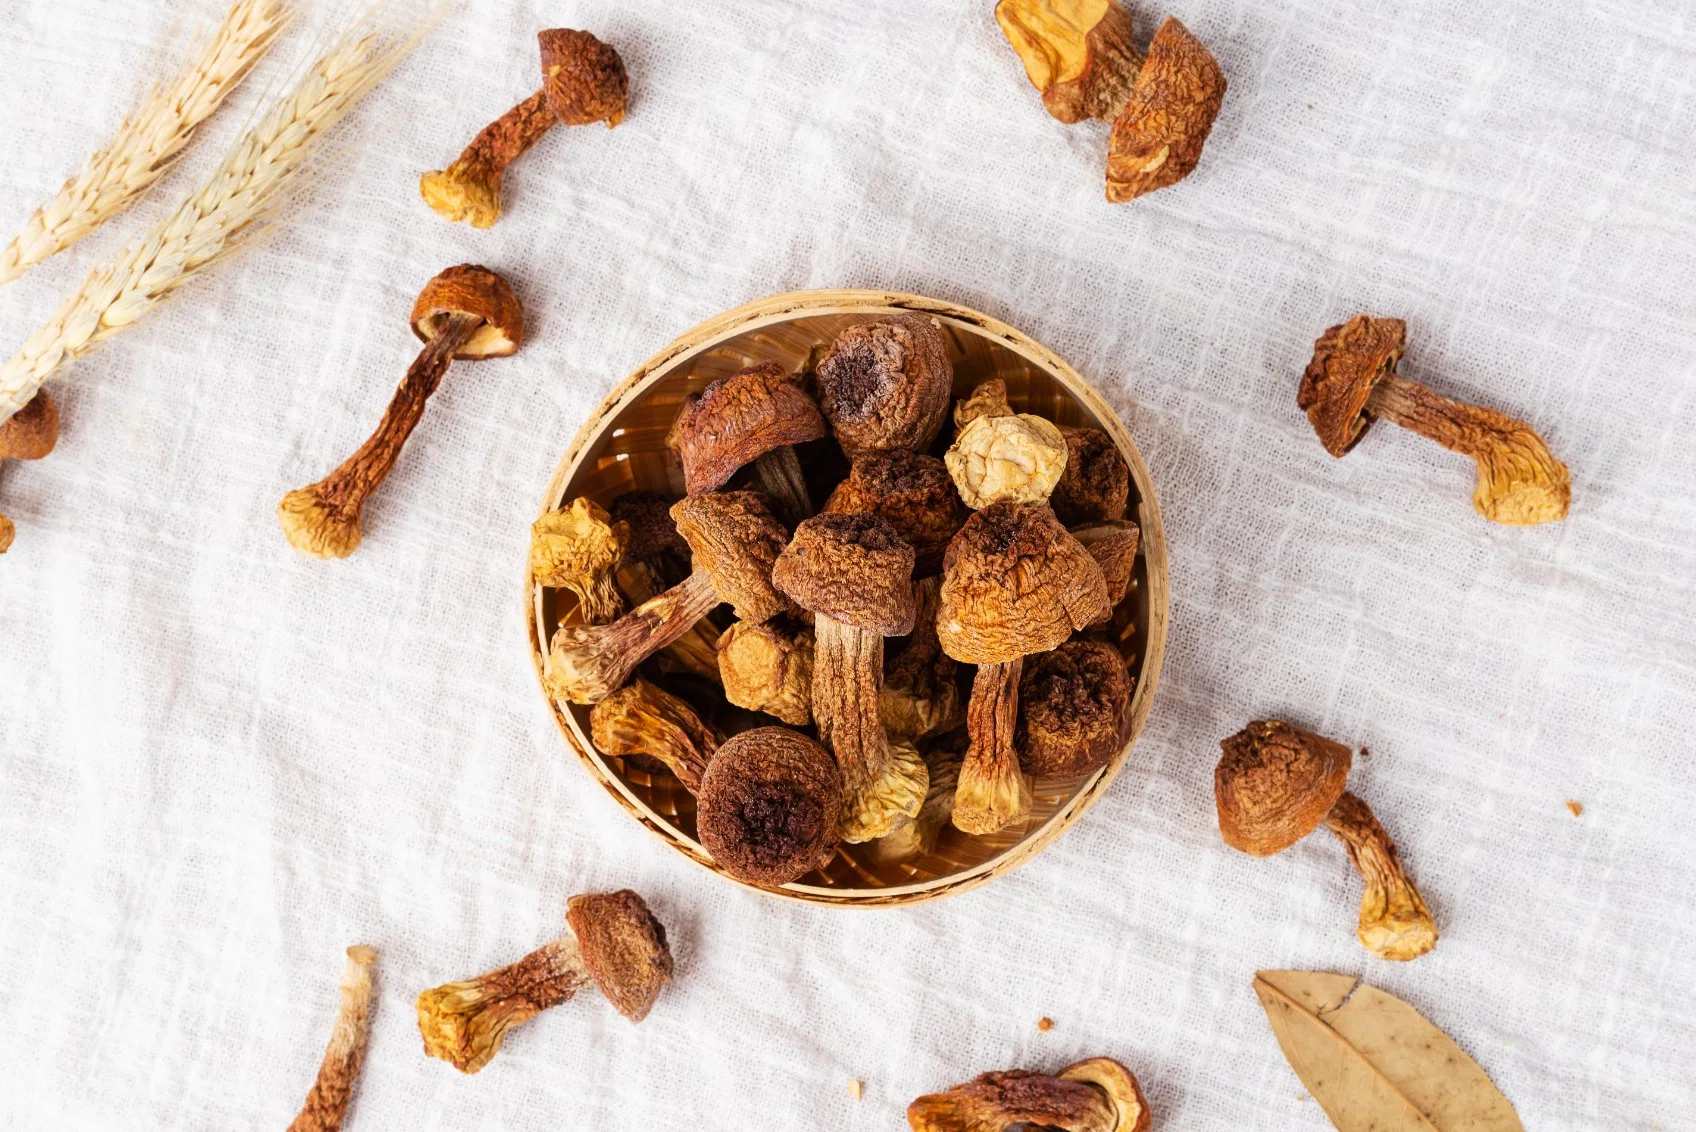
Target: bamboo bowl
[(622, 446)]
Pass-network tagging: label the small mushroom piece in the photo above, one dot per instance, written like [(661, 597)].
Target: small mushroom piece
[(854, 573), (1158, 137), (769, 806), (1113, 545), (1015, 582), (576, 548), (1352, 381), (1098, 1095), (886, 384), (468, 313), (641, 719), (583, 81), (1276, 783), (614, 942), (1073, 704), (920, 696), (770, 669), (1096, 484), (1080, 54), (913, 493), (656, 559), (734, 540), (1017, 459), (326, 1103), (752, 417), (988, 399), (28, 434), (916, 836)]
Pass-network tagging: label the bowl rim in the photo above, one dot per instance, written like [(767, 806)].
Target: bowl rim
[(786, 307)]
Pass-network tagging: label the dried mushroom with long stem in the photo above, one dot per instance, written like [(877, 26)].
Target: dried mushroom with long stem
[(614, 942), (583, 81), (912, 492), (326, 1103), (768, 668), (657, 558), (1097, 1095), (769, 806), (753, 417), (1276, 783), (642, 719), (1073, 706), (1351, 381), (465, 313), (29, 434), (886, 384), (577, 548)]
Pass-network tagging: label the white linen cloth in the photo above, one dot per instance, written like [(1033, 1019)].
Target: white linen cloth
[(222, 763)]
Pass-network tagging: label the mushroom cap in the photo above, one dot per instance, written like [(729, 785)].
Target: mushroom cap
[(1080, 54), (1000, 1099), (574, 543), (1121, 1087), (769, 805), (32, 431), (652, 533), (886, 384), (988, 399), (1348, 360), (583, 78), (913, 492), (1157, 137), (734, 537), (851, 567), (623, 947), (1073, 703), (472, 289), (1113, 544), (1018, 458), (879, 807), (1016, 582), (738, 419), (765, 668), (1275, 784), (1096, 482)]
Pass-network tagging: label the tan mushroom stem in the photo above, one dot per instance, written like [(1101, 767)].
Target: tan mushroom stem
[(587, 663), (993, 792), (847, 674), (697, 649), (1394, 921), (1097, 1095), (1519, 480), (641, 719), (327, 1102), (779, 474)]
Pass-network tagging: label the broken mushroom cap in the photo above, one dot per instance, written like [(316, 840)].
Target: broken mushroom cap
[(734, 537), (31, 432), (738, 419), (853, 568), (1113, 545), (1073, 703), (770, 669), (988, 399), (769, 805), (1079, 53), (1275, 784), (1098, 1095), (886, 384), (1158, 136), (1121, 1087), (577, 548), (1096, 482), (912, 492), (641, 719), (623, 947), (472, 290), (1019, 459), (583, 79)]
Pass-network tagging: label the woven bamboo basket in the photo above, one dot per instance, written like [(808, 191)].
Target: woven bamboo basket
[(623, 446)]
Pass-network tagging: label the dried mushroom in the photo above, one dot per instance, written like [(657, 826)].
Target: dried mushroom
[(326, 1103), (734, 540), (1016, 459), (988, 399), (886, 384), (1096, 483), (913, 493), (583, 81), (614, 942), (1352, 381), (466, 312), (920, 696), (1098, 1095), (28, 434), (576, 548), (1276, 783), (768, 668), (656, 559), (641, 719), (1081, 54), (915, 836), (769, 806), (752, 417), (1073, 706), (1113, 545)]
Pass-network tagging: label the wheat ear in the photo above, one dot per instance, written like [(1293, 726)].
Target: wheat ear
[(150, 140), (211, 223)]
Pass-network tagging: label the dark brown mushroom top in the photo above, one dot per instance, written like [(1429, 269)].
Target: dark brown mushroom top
[(475, 290), (739, 418), (1096, 484), (652, 533), (886, 384), (1275, 784), (914, 493), (583, 79), (769, 805), (1157, 138), (734, 537), (1073, 704), (1348, 360), (1016, 582), (31, 432), (623, 947), (852, 568)]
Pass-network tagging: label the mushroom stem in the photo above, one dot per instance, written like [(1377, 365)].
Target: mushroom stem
[(327, 1102), (697, 649), (779, 472), (640, 719), (847, 675), (470, 188), (993, 792), (587, 663), (322, 519), (1519, 480), (1394, 922), (464, 1023)]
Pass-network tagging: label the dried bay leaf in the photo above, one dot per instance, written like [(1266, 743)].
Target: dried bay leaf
[(1373, 1062)]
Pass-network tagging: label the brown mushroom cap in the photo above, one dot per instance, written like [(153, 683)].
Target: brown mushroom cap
[(474, 290), (576, 548), (1275, 784), (769, 806), (1073, 703), (1348, 360), (1096, 484), (32, 431), (1113, 545), (767, 668), (993, 1101), (1121, 1087), (583, 78), (1079, 53), (1016, 582), (734, 537), (914, 493), (623, 948), (853, 568), (738, 419), (1158, 136), (886, 384)]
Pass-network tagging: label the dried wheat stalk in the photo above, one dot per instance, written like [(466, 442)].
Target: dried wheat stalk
[(150, 140)]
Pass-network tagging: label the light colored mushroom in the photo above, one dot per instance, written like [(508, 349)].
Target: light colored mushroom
[(576, 548)]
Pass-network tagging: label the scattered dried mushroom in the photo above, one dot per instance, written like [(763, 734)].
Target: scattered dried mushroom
[(1098, 1095), (326, 1103)]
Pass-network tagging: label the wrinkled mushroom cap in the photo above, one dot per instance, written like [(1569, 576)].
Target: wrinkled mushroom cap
[(1121, 1087), (886, 384), (993, 1101), (737, 419), (1073, 704), (734, 537), (623, 947), (988, 399), (1018, 458), (1158, 136), (642, 719), (32, 431), (1016, 582), (852, 568), (1096, 483), (575, 542), (1348, 360), (583, 79), (472, 289), (769, 805), (1275, 784), (913, 493), (1113, 545), (881, 806)]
